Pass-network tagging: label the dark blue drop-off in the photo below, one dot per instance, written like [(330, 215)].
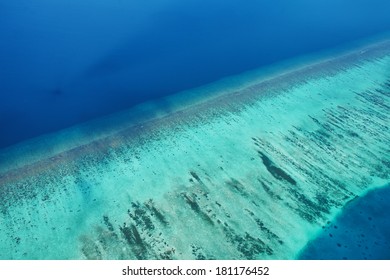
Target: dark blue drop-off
[(361, 232)]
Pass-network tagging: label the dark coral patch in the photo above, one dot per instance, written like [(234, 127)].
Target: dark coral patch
[(275, 171), (191, 201)]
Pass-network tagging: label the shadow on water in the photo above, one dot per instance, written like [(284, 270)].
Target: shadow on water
[(361, 231)]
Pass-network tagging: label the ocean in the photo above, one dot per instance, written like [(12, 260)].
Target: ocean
[(190, 130), (360, 232), (67, 62)]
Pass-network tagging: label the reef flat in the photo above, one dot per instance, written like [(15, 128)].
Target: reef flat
[(252, 173)]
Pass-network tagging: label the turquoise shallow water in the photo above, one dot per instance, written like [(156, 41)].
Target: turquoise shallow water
[(254, 173)]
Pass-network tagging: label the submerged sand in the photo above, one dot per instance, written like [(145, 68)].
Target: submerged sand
[(253, 171)]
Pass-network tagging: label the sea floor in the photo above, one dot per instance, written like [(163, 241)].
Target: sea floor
[(254, 173)]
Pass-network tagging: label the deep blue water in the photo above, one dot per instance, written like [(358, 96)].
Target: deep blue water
[(67, 61), (362, 231)]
